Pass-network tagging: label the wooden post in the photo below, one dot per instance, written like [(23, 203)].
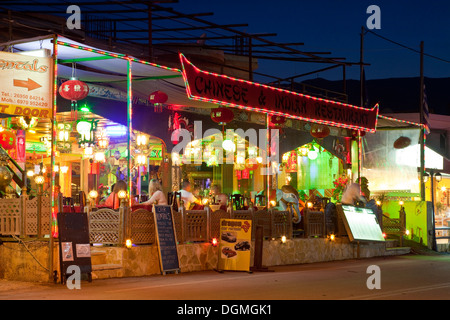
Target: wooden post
[(258, 259), (422, 129)]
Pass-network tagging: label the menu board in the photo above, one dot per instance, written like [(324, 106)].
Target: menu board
[(74, 246), (235, 244), (361, 224), (167, 243)]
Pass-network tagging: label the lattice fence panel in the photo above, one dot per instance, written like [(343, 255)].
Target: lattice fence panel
[(45, 215), (195, 225), (214, 222), (178, 225), (315, 221), (105, 226), (242, 214), (142, 226), (10, 216), (281, 224), (31, 214)]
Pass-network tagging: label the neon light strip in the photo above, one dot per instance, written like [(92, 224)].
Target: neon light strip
[(53, 222), (130, 128), (271, 112), (116, 55), (399, 120)]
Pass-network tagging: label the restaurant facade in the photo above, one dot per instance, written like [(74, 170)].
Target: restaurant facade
[(98, 117)]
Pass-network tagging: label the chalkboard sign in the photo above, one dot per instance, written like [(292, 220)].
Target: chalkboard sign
[(74, 246), (167, 242)]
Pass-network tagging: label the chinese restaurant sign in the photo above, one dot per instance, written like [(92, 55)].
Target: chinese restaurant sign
[(26, 88), (220, 89), (234, 245)]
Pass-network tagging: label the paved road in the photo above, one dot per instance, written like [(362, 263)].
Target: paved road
[(402, 277)]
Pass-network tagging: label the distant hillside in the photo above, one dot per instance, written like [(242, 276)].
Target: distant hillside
[(395, 94)]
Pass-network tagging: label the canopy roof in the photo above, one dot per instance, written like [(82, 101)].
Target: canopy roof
[(93, 65)]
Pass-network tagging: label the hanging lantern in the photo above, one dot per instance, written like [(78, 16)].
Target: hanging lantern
[(251, 164), (74, 90), (355, 134), (402, 142), (319, 131), (278, 120), (158, 98), (7, 140), (222, 116)]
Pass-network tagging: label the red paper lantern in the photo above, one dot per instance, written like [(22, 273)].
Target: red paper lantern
[(158, 98), (222, 116), (74, 90), (319, 131), (278, 120), (251, 164), (7, 140), (355, 133)]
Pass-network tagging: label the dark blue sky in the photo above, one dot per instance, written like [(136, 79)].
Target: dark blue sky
[(334, 25)]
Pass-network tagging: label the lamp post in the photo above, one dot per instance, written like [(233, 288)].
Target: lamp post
[(432, 174)]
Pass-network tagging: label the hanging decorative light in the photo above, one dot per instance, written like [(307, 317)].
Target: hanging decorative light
[(87, 131), (74, 90), (222, 116), (8, 140), (277, 120), (141, 141), (141, 159), (27, 123), (158, 98), (319, 131), (63, 131)]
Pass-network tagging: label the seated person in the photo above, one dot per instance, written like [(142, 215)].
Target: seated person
[(290, 195), (186, 195), (156, 194), (219, 197), (113, 200)]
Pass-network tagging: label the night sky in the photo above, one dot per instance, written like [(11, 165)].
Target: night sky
[(332, 25)]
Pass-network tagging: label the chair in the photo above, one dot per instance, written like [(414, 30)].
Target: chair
[(173, 199), (238, 201), (260, 200)]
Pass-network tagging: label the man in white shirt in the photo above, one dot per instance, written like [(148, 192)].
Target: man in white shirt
[(352, 194), (186, 195)]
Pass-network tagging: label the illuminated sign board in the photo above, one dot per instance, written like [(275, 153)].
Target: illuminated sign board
[(361, 224)]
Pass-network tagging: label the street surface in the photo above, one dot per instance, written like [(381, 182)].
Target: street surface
[(402, 277)]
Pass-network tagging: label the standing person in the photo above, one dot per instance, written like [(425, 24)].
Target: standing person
[(352, 194), (155, 193), (187, 196), (219, 197)]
